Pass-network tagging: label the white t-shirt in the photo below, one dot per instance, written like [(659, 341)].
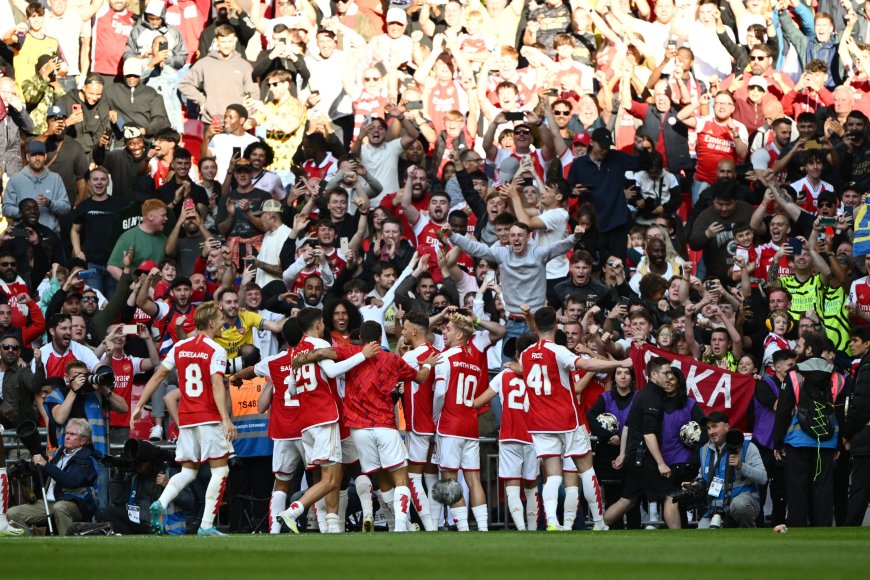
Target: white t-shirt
[(222, 146), (382, 163), (68, 30), (556, 221)]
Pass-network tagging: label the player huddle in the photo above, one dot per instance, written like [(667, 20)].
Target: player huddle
[(333, 411)]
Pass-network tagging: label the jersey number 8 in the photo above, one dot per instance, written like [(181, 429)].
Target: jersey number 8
[(193, 381)]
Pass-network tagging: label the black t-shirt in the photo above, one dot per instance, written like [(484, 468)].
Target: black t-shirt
[(97, 219), (645, 417), (241, 228), (67, 158), (197, 193)]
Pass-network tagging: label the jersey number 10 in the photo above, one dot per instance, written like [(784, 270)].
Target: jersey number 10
[(466, 386)]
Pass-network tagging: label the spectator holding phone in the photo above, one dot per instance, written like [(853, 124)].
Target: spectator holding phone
[(226, 140), (134, 103), (90, 114), (283, 117), (712, 230), (238, 218)]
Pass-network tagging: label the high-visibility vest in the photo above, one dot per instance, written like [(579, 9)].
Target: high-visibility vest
[(251, 425)]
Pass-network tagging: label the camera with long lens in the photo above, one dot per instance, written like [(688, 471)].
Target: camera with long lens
[(135, 453), (692, 496), (102, 377), (28, 434), (734, 441)]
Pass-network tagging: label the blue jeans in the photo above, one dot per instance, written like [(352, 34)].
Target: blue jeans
[(697, 188), (103, 281), (515, 328)]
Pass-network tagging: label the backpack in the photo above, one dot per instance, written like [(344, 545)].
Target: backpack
[(814, 395)]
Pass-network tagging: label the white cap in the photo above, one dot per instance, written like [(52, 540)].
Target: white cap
[(155, 7), (133, 66), (397, 15)]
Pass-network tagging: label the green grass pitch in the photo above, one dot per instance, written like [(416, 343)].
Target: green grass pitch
[(799, 555)]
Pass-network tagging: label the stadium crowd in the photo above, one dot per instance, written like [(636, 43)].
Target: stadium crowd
[(341, 253)]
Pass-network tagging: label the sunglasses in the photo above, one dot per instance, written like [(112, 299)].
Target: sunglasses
[(826, 204), (89, 299), (756, 58), (275, 84), (371, 78), (562, 113), (10, 347), (8, 264), (522, 132), (756, 88)]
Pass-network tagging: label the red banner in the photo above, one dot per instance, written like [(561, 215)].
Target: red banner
[(715, 389)]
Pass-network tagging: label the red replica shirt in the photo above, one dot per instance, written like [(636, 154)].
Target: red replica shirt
[(456, 385), (367, 398), (715, 143), (284, 414), (318, 399), (417, 401), (197, 359), (552, 404), (398, 212), (511, 390), (124, 369)]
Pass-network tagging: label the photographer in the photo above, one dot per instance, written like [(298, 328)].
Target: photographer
[(81, 398), (732, 471), (70, 492), (140, 484)]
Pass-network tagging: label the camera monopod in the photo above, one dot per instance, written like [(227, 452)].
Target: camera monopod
[(28, 434)]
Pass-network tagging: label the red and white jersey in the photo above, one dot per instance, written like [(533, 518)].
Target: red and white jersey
[(811, 192), (479, 345), (715, 143), (749, 255), (124, 368), (590, 394), (197, 360), (511, 391), (299, 282), (766, 252), (417, 400), (284, 413), (540, 164), (443, 98), (859, 294), (336, 260), (325, 170), (552, 404), (318, 397), (426, 241), (164, 322), (55, 362), (457, 377), (109, 39)]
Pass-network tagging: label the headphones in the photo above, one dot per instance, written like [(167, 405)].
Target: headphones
[(768, 322)]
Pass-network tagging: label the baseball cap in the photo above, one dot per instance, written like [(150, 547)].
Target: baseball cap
[(243, 165), (269, 205), (72, 295), (328, 31), (715, 417), (34, 147), (132, 132), (56, 111), (397, 15), (758, 81), (829, 197), (146, 266), (133, 67), (582, 138), (603, 137)]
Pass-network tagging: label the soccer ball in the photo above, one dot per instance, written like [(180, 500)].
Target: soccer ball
[(690, 434), (608, 422), (447, 491)]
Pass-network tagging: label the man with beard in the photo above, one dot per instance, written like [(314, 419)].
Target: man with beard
[(181, 186), (352, 177), (128, 167), (523, 145), (35, 181), (261, 156), (806, 433), (766, 157), (225, 141), (265, 340), (856, 432), (810, 274), (137, 104), (656, 263), (61, 350), (65, 156), (581, 282), (711, 232), (239, 325), (38, 249), (282, 116), (187, 248), (90, 113), (279, 243), (319, 160), (417, 185), (652, 477), (391, 248)]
